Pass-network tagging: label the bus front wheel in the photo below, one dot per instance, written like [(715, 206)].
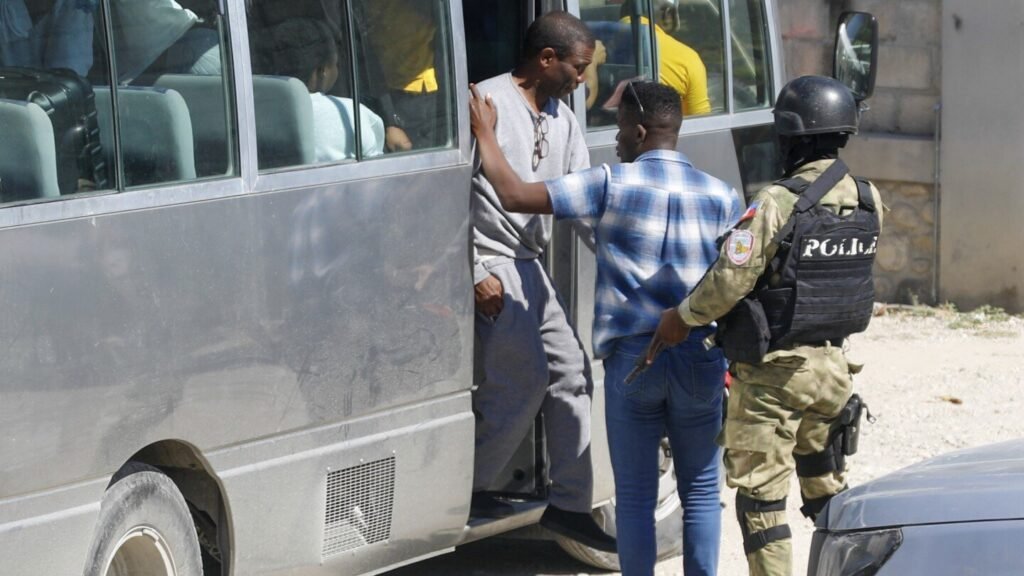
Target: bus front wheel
[(668, 518), (144, 528)]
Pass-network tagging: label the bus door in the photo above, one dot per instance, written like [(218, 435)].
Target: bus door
[(494, 39)]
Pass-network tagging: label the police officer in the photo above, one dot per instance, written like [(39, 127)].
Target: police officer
[(792, 280)]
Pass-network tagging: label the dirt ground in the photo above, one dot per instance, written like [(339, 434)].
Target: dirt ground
[(936, 380)]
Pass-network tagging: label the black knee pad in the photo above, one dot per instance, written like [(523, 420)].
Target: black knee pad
[(752, 542), (813, 506), (820, 463)]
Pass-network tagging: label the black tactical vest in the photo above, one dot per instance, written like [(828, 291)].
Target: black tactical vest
[(819, 286)]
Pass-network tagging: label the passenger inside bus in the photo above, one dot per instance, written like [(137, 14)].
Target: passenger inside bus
[(679, 66), (263, 15), (154, 37), (47, 34), (305, 48), (400, 48)]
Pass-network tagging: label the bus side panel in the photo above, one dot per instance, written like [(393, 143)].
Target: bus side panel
[(49, 532), (354, 497), (222, 321)]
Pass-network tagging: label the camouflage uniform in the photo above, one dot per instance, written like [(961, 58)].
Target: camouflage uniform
[(788, 402)]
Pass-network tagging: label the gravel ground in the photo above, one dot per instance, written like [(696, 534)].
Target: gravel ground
[(937, 380)]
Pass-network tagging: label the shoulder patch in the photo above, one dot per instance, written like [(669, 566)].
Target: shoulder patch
[(750, 213), (740, 247)]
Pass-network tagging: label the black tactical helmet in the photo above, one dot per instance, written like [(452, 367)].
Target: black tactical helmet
[(815, 105)]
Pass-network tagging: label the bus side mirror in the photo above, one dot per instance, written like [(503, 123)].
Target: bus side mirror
[(855, 61)]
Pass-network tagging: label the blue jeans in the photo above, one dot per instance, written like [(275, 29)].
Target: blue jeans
[(679, 395)]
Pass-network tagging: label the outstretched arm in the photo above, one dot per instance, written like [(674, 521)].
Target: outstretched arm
[(515, 195)]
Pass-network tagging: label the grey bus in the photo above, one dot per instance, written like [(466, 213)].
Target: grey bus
[(237, 300)]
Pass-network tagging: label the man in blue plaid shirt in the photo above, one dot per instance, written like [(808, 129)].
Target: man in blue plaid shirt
[(655, 220)]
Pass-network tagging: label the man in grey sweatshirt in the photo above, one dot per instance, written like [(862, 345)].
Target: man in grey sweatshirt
[(529, 358)]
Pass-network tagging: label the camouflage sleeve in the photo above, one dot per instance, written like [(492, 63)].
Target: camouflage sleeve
[(742, 259)]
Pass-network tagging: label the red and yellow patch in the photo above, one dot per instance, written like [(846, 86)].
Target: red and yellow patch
[(740, 247)]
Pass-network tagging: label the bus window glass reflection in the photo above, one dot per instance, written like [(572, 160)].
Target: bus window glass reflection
[(302, 88), (54, 136), (175, 114), (405, 74), (751, 87)]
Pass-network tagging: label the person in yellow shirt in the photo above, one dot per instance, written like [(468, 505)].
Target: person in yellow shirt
[(679, 66), (399, 39)]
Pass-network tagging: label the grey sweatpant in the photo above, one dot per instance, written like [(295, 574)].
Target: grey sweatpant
[(530, 360)]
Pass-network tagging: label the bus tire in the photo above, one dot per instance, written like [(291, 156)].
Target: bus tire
[(144, 527), (668, 525)]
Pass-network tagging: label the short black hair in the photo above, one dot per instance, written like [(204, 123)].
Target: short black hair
[(557, 30), (301, 45), (658, 101)]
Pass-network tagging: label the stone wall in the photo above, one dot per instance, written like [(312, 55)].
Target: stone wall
[(896, 145)]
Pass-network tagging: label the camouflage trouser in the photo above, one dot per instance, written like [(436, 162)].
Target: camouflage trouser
[(783, 406)]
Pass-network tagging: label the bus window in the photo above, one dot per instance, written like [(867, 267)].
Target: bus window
[(627, 53), (751, 71), (405, 76), (700, 28), (55, 139), (174, 111), (302, 89)]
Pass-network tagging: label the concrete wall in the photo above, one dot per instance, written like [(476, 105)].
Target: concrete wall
[(896, 146), (982, 154)]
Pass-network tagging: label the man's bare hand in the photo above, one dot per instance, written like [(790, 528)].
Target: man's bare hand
[(671, 331), (396, 139), (483, 115), (600, 53), (490, 296)]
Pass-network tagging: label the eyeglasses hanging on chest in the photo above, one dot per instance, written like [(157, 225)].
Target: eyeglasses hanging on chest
[(540, 139)]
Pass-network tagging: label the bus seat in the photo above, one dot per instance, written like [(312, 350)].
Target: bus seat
[(156, 134), (204, 96), (28, 165), (284, 122)]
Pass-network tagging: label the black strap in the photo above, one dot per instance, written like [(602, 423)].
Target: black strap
[(822, 185), (747, 504), (813, 506), (811, 194), (754, 542), (867, 201), (795, 185), (817, 464)]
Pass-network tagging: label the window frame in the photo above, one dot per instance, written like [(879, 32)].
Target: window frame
[(118, 198), (770, 63)]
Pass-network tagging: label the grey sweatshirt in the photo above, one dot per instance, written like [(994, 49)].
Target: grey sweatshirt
[(500, 233)]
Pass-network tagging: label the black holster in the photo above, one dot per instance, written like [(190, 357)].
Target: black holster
[(743, 333), (848, 425)]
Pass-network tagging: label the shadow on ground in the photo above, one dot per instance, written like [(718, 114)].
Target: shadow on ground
[(501, 557)]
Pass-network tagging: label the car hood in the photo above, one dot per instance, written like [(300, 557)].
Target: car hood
[(976, 484)]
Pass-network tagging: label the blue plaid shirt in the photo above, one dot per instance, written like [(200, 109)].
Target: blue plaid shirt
[(655, 223)]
